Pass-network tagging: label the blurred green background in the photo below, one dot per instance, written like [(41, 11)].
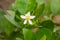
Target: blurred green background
[(46, 25)]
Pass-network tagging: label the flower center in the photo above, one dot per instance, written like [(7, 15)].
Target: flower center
[(27, 17)]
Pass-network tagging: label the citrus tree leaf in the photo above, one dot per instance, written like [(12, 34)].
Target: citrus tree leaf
[(42, 32), (28, 34), (24, 6), (48, 24), (11, 18)]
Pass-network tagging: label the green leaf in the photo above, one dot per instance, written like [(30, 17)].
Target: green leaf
[(11, 18), (55, 6), (39, 10), (48, 24), (17, 16), (5, 25), (47, 7), (43, 38), (28, 34), (55, 36), (42, 32), (24, 6), (58, 34), (18, 39), (16, 35)]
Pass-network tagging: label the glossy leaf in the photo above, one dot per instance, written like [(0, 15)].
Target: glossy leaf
[(24, 6), (42, 32), (48, 24), (28, 34), (11, 18)]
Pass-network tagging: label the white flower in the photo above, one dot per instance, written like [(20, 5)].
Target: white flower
[(27, 18)]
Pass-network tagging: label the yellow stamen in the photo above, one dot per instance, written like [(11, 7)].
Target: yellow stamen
[(27, 17)]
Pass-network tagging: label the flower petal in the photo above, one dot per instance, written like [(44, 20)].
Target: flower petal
[(22, 16), (30, 22), (28, 14), (25, 21), (32, 17)]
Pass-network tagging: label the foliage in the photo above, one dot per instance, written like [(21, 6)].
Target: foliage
[(12, 27)]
